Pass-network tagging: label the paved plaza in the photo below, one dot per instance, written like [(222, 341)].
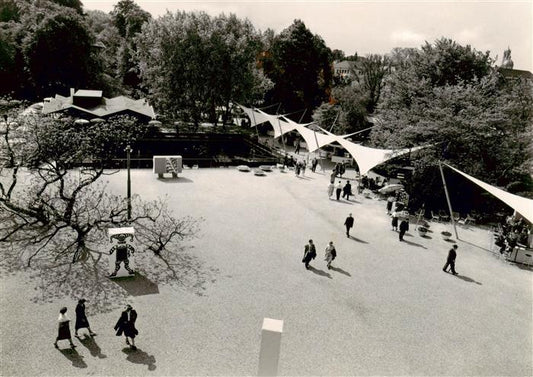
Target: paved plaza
[(386, 308)]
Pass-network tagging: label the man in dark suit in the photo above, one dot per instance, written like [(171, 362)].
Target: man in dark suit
[(126, 325), (309, 253), (349, 224), (347, 190), (451, 260)]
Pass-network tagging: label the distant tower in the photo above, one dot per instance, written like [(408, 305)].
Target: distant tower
[(507, 62)]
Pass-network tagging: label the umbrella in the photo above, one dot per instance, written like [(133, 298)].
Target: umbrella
[(390, 188)]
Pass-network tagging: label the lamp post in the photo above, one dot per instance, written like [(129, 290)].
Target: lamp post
[(128, 151)]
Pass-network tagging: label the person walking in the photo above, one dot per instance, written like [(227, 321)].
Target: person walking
[(63, 330), (297, 147), (338, 190), (450, 262), (404, 227), (309, 253), (81, 319), (314, 163), (331, 254), (126, 325), (394, 221), (347, 190), (332, 177), (303, 168), (349, 224), (331, 187), (342, 169), (390, 200)]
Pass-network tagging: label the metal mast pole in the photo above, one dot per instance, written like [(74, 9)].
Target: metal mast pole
[(448, 200), (128, 151)]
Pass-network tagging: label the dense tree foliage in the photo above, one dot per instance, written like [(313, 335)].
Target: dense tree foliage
[(58, 51), (475, 118), (298, 62), (47, 48), (191, 63), (128, 19), (355, 96)]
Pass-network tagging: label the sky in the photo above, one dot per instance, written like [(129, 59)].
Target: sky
[(377, 27)]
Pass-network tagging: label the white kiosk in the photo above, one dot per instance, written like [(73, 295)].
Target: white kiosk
[(168, 164)]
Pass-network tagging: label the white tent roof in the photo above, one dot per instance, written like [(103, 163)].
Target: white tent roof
[(366, 157), (256, 116), (523, 206), (313, 139)]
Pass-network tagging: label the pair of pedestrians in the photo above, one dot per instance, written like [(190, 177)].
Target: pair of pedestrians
[(310, 254), (63, 331), (125, 325)]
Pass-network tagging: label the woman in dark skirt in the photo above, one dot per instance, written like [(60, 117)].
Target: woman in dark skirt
[(81, 318), (63, 331)]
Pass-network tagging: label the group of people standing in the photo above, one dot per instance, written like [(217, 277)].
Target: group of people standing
[(125, 325), (300, 166)]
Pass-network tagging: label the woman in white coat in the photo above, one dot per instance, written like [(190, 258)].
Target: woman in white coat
[(331, 254)]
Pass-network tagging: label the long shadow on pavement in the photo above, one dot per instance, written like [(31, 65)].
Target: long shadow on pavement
[(137, 285), (337, 269), (74, 357), (175, 180), (140, 357), (95, 350), (466, 278), (357, 239), (342, 201), (319, 272), (414, 244)]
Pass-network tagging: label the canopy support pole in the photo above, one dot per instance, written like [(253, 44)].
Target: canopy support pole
[(448, 200), (319, 159), (255, 124), (300, 121), (282, 141)]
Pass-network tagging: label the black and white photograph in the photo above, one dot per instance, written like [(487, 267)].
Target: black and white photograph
[(266, 188)]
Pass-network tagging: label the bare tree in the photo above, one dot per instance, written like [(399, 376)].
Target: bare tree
[(54, 213)]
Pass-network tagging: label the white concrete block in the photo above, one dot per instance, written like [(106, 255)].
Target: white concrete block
[(270, 347)]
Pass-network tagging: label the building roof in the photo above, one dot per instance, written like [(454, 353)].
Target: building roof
[(88, 93), (108, 108), (509, 72), (345, 64)]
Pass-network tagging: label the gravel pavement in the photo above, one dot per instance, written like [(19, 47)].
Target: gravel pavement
[(386, 308)]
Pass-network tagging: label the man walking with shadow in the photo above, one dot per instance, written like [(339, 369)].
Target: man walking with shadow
[(451, 260), (309, 253), (349, 224), (126, 325)]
